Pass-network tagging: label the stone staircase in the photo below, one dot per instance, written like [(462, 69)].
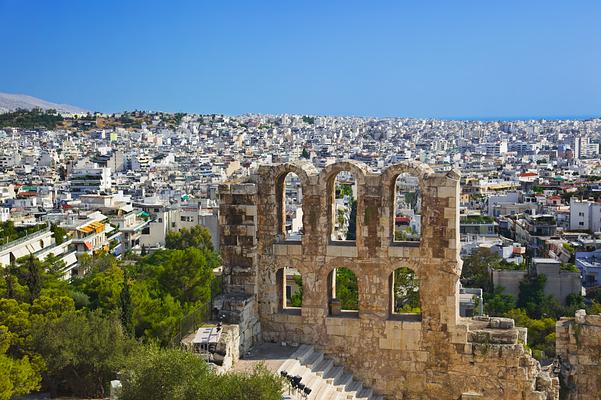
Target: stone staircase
[(326, 380)]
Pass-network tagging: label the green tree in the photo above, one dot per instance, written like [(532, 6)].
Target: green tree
[(82, 351), (498, 303), (31, 270), (344, 189), (14, 315), (103, 288), (296, 300), (541, 332), (477, 269), (347, 289), (197, 236), (59, 233), (126, 305), (155, 315), (19, 376), (152, 372), (533, 299), (185, 274), (351, 233), (406, 291)]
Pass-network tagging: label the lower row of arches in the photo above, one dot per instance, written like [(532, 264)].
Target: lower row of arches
[(343, 293)]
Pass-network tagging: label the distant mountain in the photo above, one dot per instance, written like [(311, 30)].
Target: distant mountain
[(10, 102)]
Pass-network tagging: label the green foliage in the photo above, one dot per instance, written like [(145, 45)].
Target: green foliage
[(402, 235), (173, 374), (103, 288), (498, 303), (161, 288), (574, 302), (296, 300), (344, 189), (569, 267), (82, 351), (477, 268), (29, 119), (308, 120), (538, 189), (351, 233), (126, 305), (31, 273), (77, 352), (184, 274), (541, 332), (406, 291), (347, 289), (155, 314), (9, 232), (569, 248), (19, 376), (595, 308), (60, 234), (477, 219), (197, 236), (534, 301)]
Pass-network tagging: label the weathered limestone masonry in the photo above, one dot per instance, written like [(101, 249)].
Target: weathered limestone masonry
[(578, 343), (437, 356), (238, 244)]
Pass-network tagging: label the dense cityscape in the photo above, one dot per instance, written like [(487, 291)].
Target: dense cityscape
[(78, 188)]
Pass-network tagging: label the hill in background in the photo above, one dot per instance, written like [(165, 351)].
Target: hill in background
[(10, 102)]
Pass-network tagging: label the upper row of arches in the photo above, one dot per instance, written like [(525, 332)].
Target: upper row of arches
[(342, 182)]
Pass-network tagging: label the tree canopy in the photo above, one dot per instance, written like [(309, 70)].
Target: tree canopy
[(197, 236), (152, 372)]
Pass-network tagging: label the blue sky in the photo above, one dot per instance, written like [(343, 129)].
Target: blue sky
[(440, 59)]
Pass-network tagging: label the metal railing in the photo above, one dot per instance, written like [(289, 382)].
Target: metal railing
[(24, 239), (191, 322)]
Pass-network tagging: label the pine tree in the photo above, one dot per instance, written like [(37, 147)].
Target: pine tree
[(126, 306)]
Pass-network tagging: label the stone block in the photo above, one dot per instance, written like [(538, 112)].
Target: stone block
[(501, 323), (471, 396)]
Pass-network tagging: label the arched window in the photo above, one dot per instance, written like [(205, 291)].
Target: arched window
[(343, 292), (404, 294), (290, 206), (407, 205), (344, 207), (290, 290)]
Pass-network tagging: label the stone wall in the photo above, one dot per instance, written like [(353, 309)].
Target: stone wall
[(434, 355), (578, 344)]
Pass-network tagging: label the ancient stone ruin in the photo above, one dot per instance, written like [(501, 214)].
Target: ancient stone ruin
[(578, 343), (434, 354)]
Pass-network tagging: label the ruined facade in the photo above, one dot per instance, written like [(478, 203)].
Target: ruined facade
[(435, 355), (578, 345)]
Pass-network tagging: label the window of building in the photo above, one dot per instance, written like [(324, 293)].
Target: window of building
[(343, 292), (404, 294), (291, 207), (407, 204), (344, 207), (290, 289)]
